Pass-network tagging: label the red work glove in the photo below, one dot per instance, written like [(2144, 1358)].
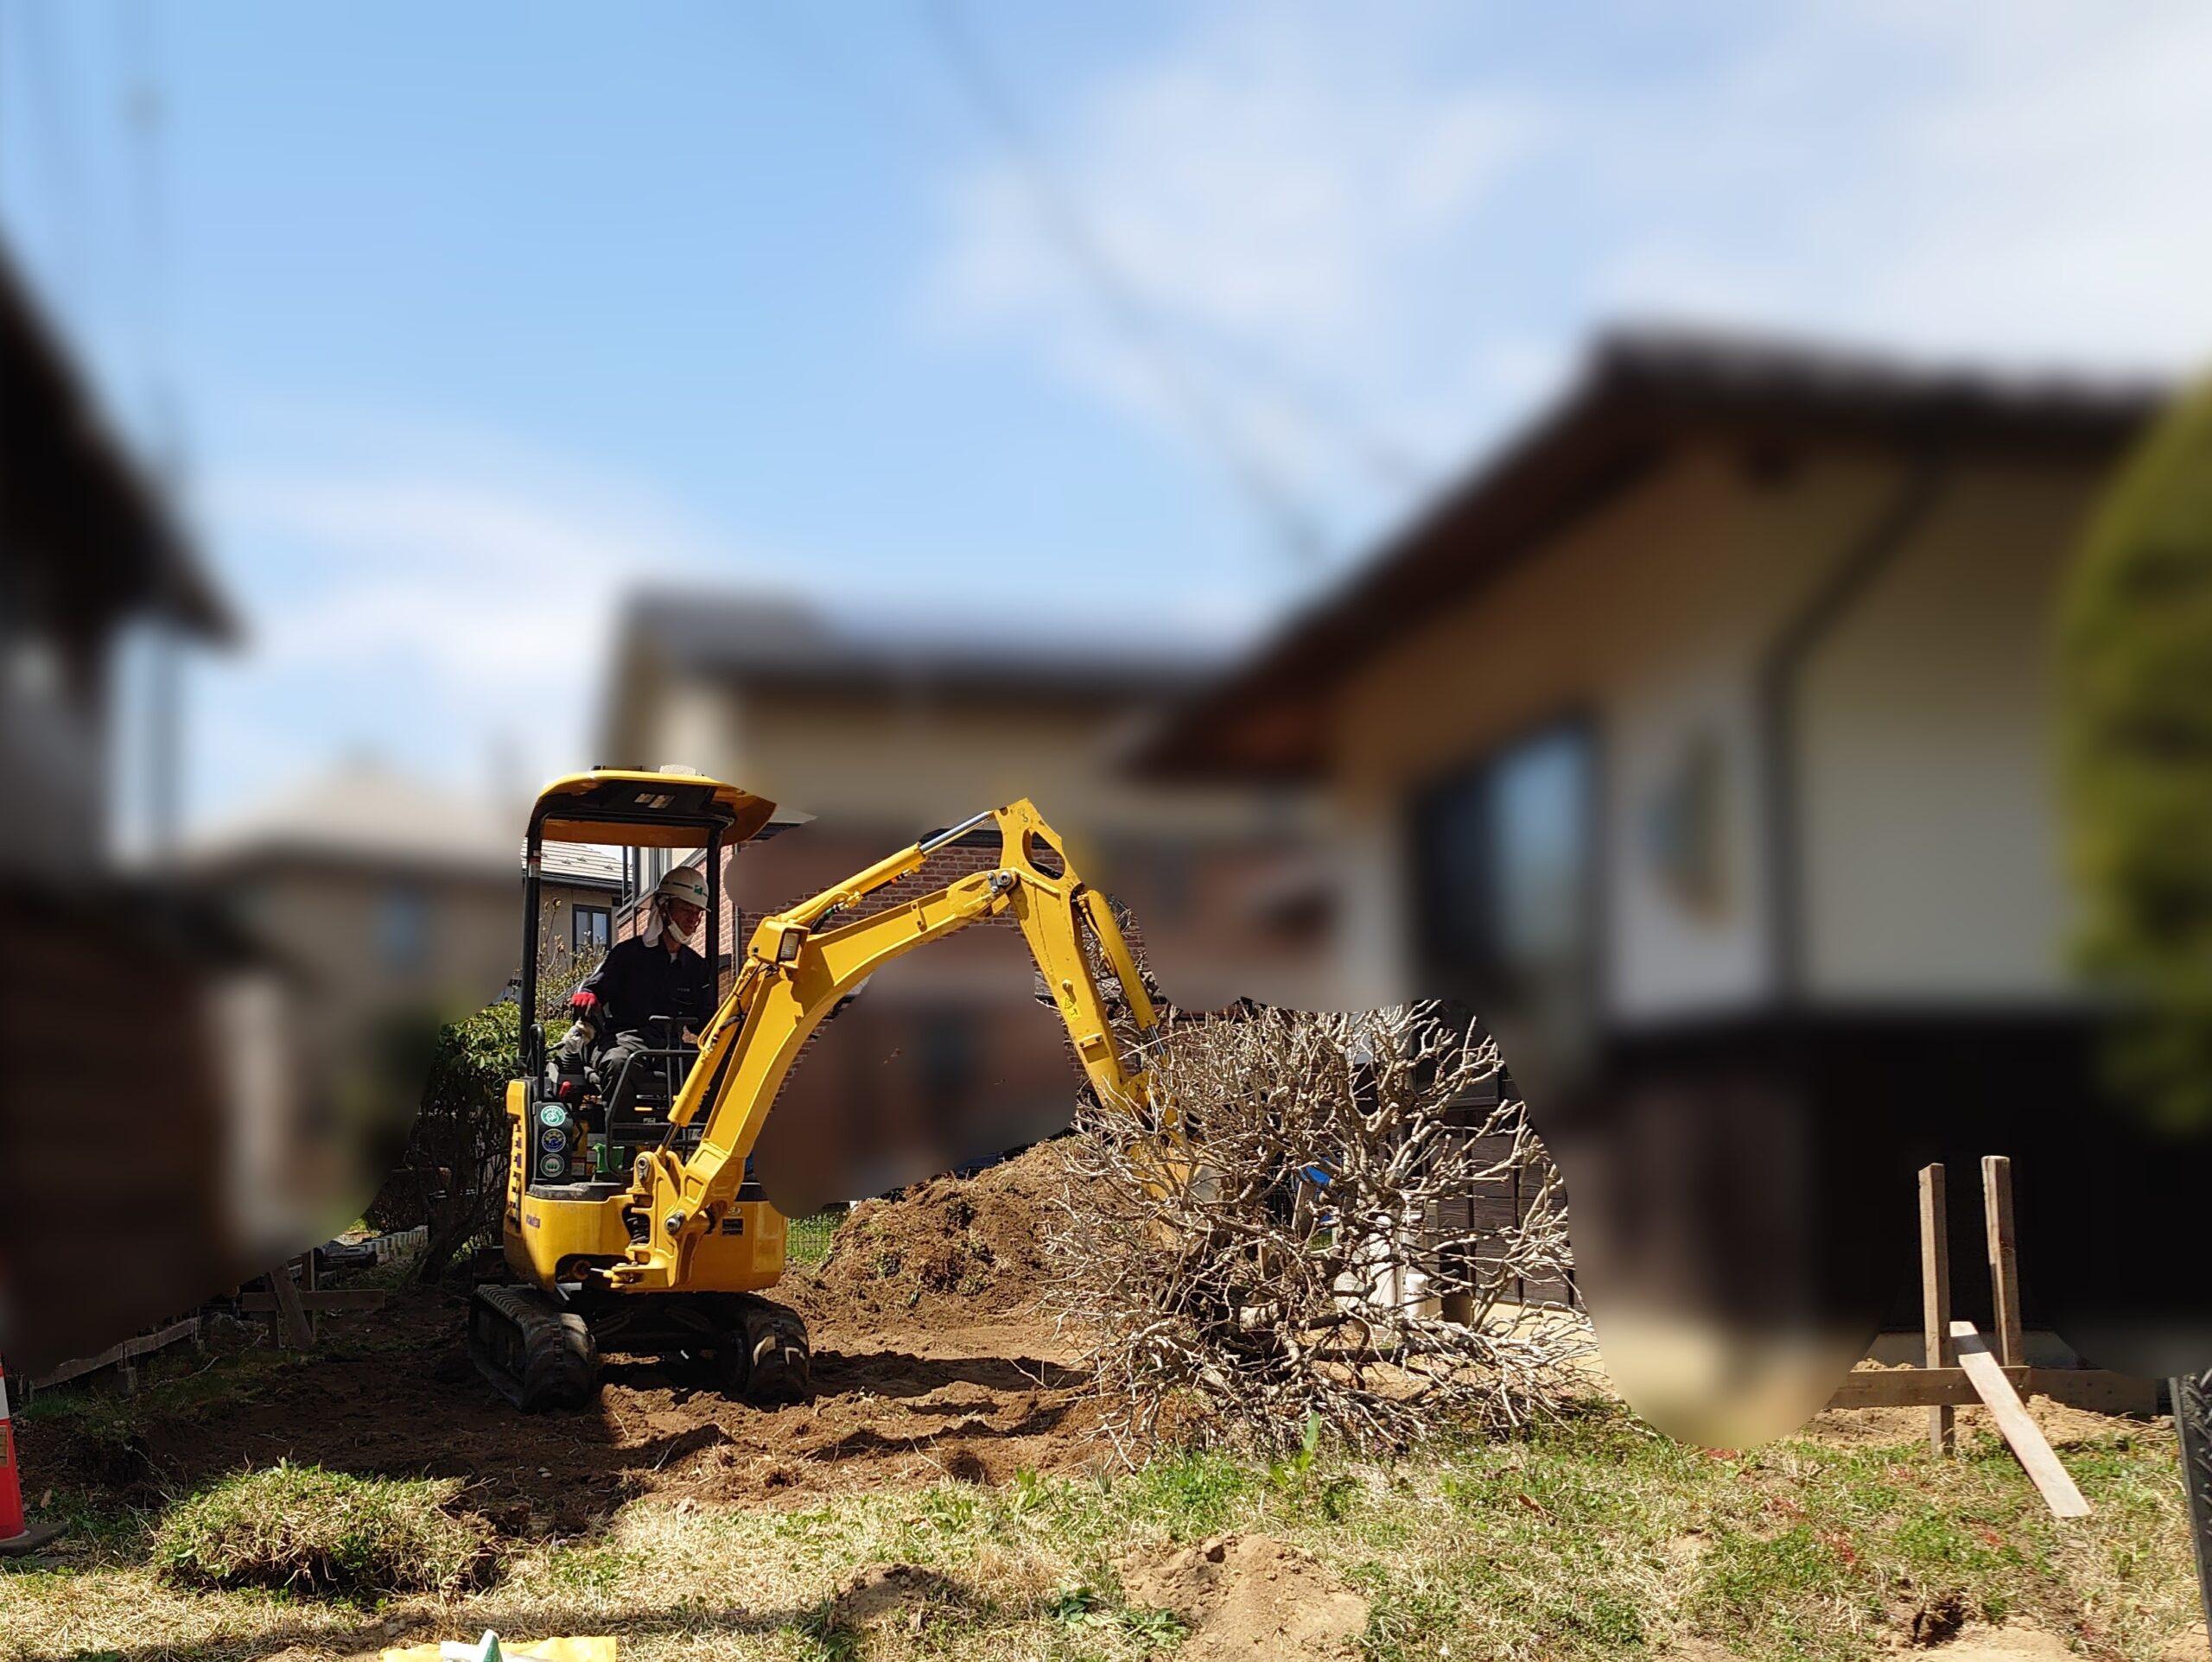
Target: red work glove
[(583, 1002)]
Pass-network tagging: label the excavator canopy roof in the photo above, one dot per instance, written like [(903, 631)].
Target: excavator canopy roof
[(615, 806)]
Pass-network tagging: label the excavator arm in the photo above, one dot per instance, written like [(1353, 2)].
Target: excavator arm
[(801, 962)]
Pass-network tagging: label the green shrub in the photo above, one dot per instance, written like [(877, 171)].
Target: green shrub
[(2137, 665), (305, 1529)]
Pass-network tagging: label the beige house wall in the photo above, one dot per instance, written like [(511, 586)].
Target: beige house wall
[(1920, 743), (1933, 865)]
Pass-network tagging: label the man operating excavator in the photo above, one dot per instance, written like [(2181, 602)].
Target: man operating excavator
[(655, 973)]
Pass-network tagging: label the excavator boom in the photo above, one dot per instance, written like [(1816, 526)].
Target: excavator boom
[(801, 960)]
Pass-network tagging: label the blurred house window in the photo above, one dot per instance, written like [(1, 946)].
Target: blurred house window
[(1504, 864), (403, 930), (594, 928)]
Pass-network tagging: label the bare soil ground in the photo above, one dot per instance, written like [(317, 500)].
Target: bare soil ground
[(1250, 1598), (929, 1363)]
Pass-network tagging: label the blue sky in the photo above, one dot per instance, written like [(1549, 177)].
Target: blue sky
[(469, 317)]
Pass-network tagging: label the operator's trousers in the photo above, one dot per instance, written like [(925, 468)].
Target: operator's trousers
[(614, 1060)]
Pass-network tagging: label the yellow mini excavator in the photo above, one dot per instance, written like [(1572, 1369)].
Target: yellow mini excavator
[(637, 1229)]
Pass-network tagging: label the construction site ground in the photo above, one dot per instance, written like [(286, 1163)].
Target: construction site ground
[(930, 1362), (943, 1496)]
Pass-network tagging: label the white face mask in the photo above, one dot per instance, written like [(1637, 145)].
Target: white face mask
[(670, 926)]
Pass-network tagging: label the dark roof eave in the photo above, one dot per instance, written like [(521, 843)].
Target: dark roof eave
[(56, 435), (1642, 396)]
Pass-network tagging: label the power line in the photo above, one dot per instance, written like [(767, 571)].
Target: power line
[(46, 70), (144, 109), (1117, 298)]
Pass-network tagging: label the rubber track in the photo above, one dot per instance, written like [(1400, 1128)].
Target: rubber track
[(782, 1368), (559, 1358)]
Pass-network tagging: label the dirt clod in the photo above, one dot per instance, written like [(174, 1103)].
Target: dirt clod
[(884, 1591), (1249, 1596)]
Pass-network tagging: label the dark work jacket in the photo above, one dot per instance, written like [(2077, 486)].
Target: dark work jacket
[(635, 982)]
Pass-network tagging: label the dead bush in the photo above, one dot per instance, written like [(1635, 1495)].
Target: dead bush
[(1285, 1232)]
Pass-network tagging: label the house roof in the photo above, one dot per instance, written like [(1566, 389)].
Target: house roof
[(1641, 393), (763, 640), (582, 863), (364, 814), (87, 534)]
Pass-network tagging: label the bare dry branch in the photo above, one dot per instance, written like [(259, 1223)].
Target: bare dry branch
[(1309, 1247)]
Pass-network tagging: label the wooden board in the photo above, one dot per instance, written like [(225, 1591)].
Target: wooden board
[(1913, 1387), (1922, 1387), (326, 1301), (2095, 1389), (2051, 1478), (143, 1344)]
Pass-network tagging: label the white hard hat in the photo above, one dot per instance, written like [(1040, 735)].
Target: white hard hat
[(684, 882)]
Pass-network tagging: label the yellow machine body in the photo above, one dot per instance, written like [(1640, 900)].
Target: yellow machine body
[(549, 1241)]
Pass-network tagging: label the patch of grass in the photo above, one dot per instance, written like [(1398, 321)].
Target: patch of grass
[(1784, 1594), (1087, 1608), (1192, 1495), (302, 1528), (598, 1569)]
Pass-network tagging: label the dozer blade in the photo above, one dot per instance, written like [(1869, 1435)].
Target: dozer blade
[(538, 1355)]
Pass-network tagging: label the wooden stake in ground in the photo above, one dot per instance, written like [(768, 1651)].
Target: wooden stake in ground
[(1935, 1295), (2050, 1479), (2003, 1258)]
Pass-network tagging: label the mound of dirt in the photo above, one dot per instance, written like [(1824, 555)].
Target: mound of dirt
[(966, 1250), (1248, 1597), (904, 1593)]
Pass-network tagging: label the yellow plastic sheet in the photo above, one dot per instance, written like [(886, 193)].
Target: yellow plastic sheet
[(517, 1650)]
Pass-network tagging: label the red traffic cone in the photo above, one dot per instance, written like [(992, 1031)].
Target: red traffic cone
[(16, 1536)]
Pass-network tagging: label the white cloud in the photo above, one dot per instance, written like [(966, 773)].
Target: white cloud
[(437, 604), (2002, 180), (1402, 219), (1263, 192)]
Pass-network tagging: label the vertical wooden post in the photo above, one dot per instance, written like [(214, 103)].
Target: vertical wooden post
[(1936, 1296), (309, 1282), (2004, 1258)]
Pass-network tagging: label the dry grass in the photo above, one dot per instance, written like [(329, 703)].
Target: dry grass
[(1590, 1539)]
